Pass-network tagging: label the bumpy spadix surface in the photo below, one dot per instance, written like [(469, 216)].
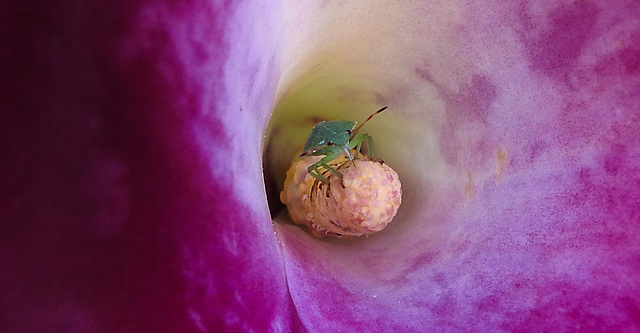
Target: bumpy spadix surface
[(131, 191), (361, 202)]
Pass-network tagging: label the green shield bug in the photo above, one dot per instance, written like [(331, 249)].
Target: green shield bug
[(331, 138)]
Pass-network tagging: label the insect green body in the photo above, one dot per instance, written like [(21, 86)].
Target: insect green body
[(331, 138)]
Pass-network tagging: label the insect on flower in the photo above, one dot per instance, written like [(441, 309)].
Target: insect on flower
[(331, 138)]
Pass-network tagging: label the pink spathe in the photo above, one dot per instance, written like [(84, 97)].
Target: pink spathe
[(132, 192)]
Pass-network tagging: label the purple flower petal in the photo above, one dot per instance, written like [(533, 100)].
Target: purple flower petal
[(525, 214), (132, 192)]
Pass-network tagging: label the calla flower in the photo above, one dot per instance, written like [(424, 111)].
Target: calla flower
[(133, 195)]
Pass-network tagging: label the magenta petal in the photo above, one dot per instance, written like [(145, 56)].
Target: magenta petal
[(533, 222), (132, 194), (126, 161)]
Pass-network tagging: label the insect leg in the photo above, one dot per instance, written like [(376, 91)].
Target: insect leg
[(356, 142), (369, 145), (314, 170), (332, 155), (332, 170)]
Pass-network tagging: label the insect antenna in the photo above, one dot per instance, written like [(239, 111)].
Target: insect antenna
[(368, 118)]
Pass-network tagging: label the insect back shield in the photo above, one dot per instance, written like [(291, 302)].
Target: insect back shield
[(328, 133)]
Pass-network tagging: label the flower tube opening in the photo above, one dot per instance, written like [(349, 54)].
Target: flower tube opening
[(327, 94)]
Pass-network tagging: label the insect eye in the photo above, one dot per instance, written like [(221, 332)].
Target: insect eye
[(329, 143), (349, 132)]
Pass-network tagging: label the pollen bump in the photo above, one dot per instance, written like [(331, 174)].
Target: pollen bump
[(362, 202)]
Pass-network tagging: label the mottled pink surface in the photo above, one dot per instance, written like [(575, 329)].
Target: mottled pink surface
[(132, 199), (553, 243)]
